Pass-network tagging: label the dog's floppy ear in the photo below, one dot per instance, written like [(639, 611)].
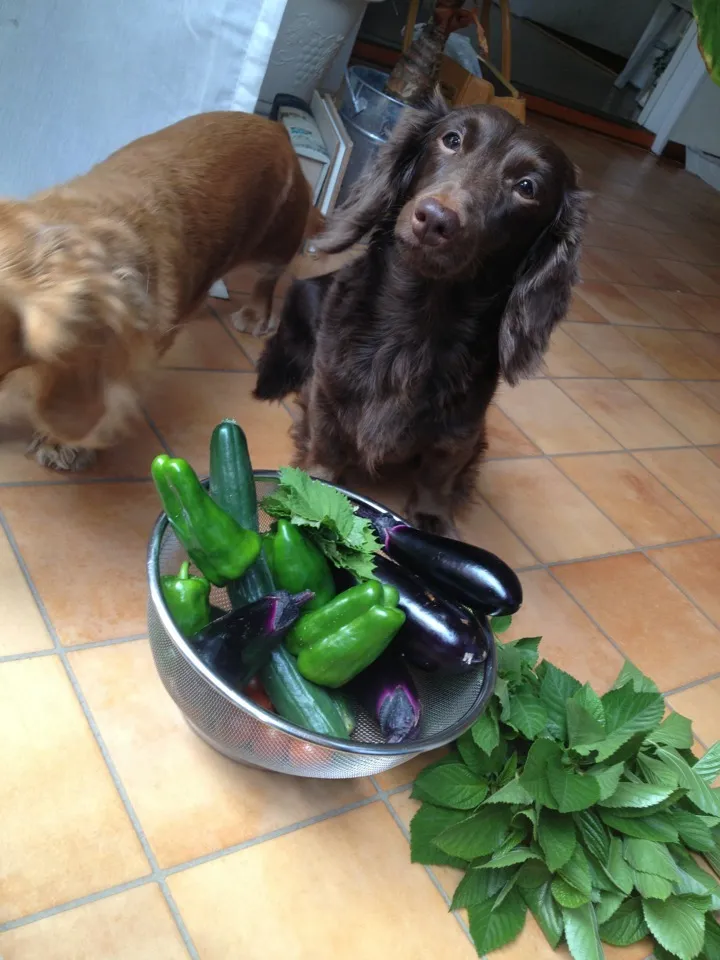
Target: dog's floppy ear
[(541, 294), (382, 189)]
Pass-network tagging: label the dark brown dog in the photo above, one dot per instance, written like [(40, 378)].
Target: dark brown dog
[(476, 225)]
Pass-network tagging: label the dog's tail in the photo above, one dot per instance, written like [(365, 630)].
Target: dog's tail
[(287, 360)]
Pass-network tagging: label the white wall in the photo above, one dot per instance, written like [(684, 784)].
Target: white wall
[(699, 125)]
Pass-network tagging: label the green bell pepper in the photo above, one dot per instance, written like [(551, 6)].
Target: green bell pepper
[(296, 564), (188, 600), (343, 609), (219, 547), (340, 656)]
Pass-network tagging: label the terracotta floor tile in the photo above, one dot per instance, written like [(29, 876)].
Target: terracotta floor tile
[(660, 308), (190, 800), (696, 568), (252, 346), (673, 354), (681, 407), (613, 303), (702, 705), (601, 264), (206, 345), (705, 310), (713, 453), (134, 925), (85, 548), (483, 527), (504, 438), (566, 358), (709, 392), (569, 638), (692, 277), (551, 420), (406, 809), (633, 499), (187, 406), (65, 831), (581, 311), (130, 459), (651, 272), (645, 614), (23, 628), (362, 851), (623, 414), (407, 772), (541, 505), (705, 345), (612, 348), (691, 477)]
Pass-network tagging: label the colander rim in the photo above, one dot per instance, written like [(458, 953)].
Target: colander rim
[(244, 703)]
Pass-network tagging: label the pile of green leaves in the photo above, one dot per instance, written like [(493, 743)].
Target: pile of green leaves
[(328, 518), (589, 812)]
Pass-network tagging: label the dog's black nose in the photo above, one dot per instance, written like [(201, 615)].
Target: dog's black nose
[(432, 223)]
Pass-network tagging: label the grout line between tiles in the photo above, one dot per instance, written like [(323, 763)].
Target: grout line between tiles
[(691, 684), (76, 481), (230, 332), (31, 655), (155, 429)]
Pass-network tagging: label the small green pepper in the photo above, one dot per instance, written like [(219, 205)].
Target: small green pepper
[(297, 565), (391, 595), (343, 609), (188, 600), (340, 656), (218, 546)]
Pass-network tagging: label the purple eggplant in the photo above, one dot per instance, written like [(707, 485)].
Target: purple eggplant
[(387, 691), (238, 644), (470, 575), (437, 634)]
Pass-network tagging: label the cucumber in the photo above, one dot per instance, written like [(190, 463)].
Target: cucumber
[(232, 487), (301, 702)]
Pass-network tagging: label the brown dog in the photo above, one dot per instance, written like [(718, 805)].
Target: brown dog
[(97, 274)]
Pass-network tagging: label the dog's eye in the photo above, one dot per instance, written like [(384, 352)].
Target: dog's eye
[(452, 141), (526, 188)]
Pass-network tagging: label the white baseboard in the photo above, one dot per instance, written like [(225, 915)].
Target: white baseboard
[(704, 166)]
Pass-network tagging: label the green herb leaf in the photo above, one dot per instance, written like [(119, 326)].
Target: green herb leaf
[(627, 714), (583, 728), (618, 868), (475, 836), (708, 766), (655, 771), (427, 824), (518, 855), (698, 790), (576, 872), (650, 857), (572, 791), (581, 933), (609, 904), (546, 911), (693, 830), (481, 763), (677, 925), (500, 624), (479, 885), (567, 895), (527, 714), (556, 836), (534, 777), (556, 688), (608, 778), (493, 928), (485, 730), (513, 793), (712, 938), (655, 828), (637, 796), (593, 834), (626, 926), (636, 678), (452, 785), (651, 887), (528, 648), (675, 731)]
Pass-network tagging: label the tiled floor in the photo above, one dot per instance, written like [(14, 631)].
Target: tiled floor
[(124, 837)]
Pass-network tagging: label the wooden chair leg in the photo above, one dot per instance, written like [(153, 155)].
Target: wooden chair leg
[(485, 18), (506, 38)]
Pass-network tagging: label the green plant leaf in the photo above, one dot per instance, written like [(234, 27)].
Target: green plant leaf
[(576, 872), (627, 715), (494, 928), (571, 791), (675, 731), (509, 770), (581, 933), (452, 785), (527, 714), (533, 874), (698, 790), (689, 866), (617, 867), (636, 678), (485, 730), (626, 926), (593, 833), (582, 727), (651, 887), (677, 925), (500, 624), (481, 763), (637, 796), (657, 828), (528, 648), (610, 903), (428, 823), (546, 911), (477, 835), (510, 859), (708, 766), (502, 692), (712, 938), (556, 688), (479, 885), (655, 771), (608, 778), (650, 857), (566, 895), (534, 777), (693, 830), (590, 701), (707, 17), (510, 662), (513, 793), (556, 836)]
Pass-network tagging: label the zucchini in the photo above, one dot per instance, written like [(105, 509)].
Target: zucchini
[(232, 487), (302, 702)]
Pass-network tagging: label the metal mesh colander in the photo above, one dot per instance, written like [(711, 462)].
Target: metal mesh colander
[(243, 731)]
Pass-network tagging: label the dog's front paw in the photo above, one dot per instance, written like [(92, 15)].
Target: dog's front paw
[(57, 456), (249, 320)]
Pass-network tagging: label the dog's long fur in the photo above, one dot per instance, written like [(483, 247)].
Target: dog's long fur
[(96, 275), (397, 355)]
